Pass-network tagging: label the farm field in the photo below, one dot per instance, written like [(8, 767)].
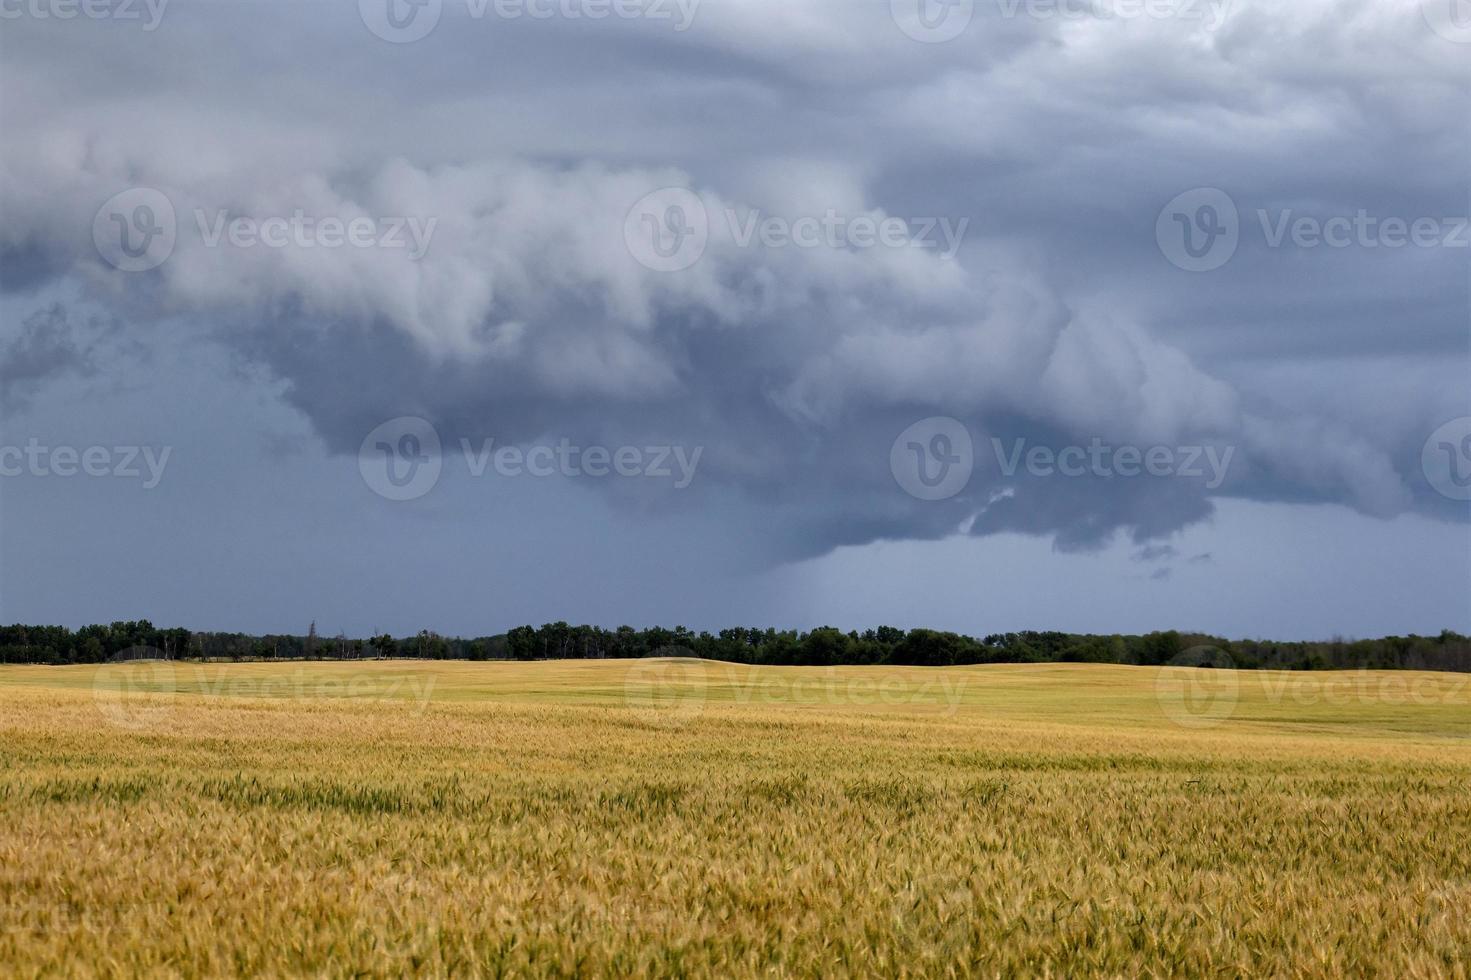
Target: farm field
[(683, 817)]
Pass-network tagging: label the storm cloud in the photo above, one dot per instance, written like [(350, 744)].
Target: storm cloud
[(1039, 146)]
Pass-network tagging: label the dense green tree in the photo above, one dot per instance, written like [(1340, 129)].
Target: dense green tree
[(1448, 650)]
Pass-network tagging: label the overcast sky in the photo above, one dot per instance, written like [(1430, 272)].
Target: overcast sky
[(984, 315)]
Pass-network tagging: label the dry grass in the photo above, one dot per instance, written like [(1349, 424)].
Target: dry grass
[(685, 818)]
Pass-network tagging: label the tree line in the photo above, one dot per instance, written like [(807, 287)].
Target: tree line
[(824, 646)]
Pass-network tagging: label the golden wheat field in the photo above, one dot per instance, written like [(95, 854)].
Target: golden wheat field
[(669, 818)]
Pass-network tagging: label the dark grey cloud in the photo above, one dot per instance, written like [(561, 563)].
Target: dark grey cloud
[(1155, 552), (45, 347), (1059, 322)]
